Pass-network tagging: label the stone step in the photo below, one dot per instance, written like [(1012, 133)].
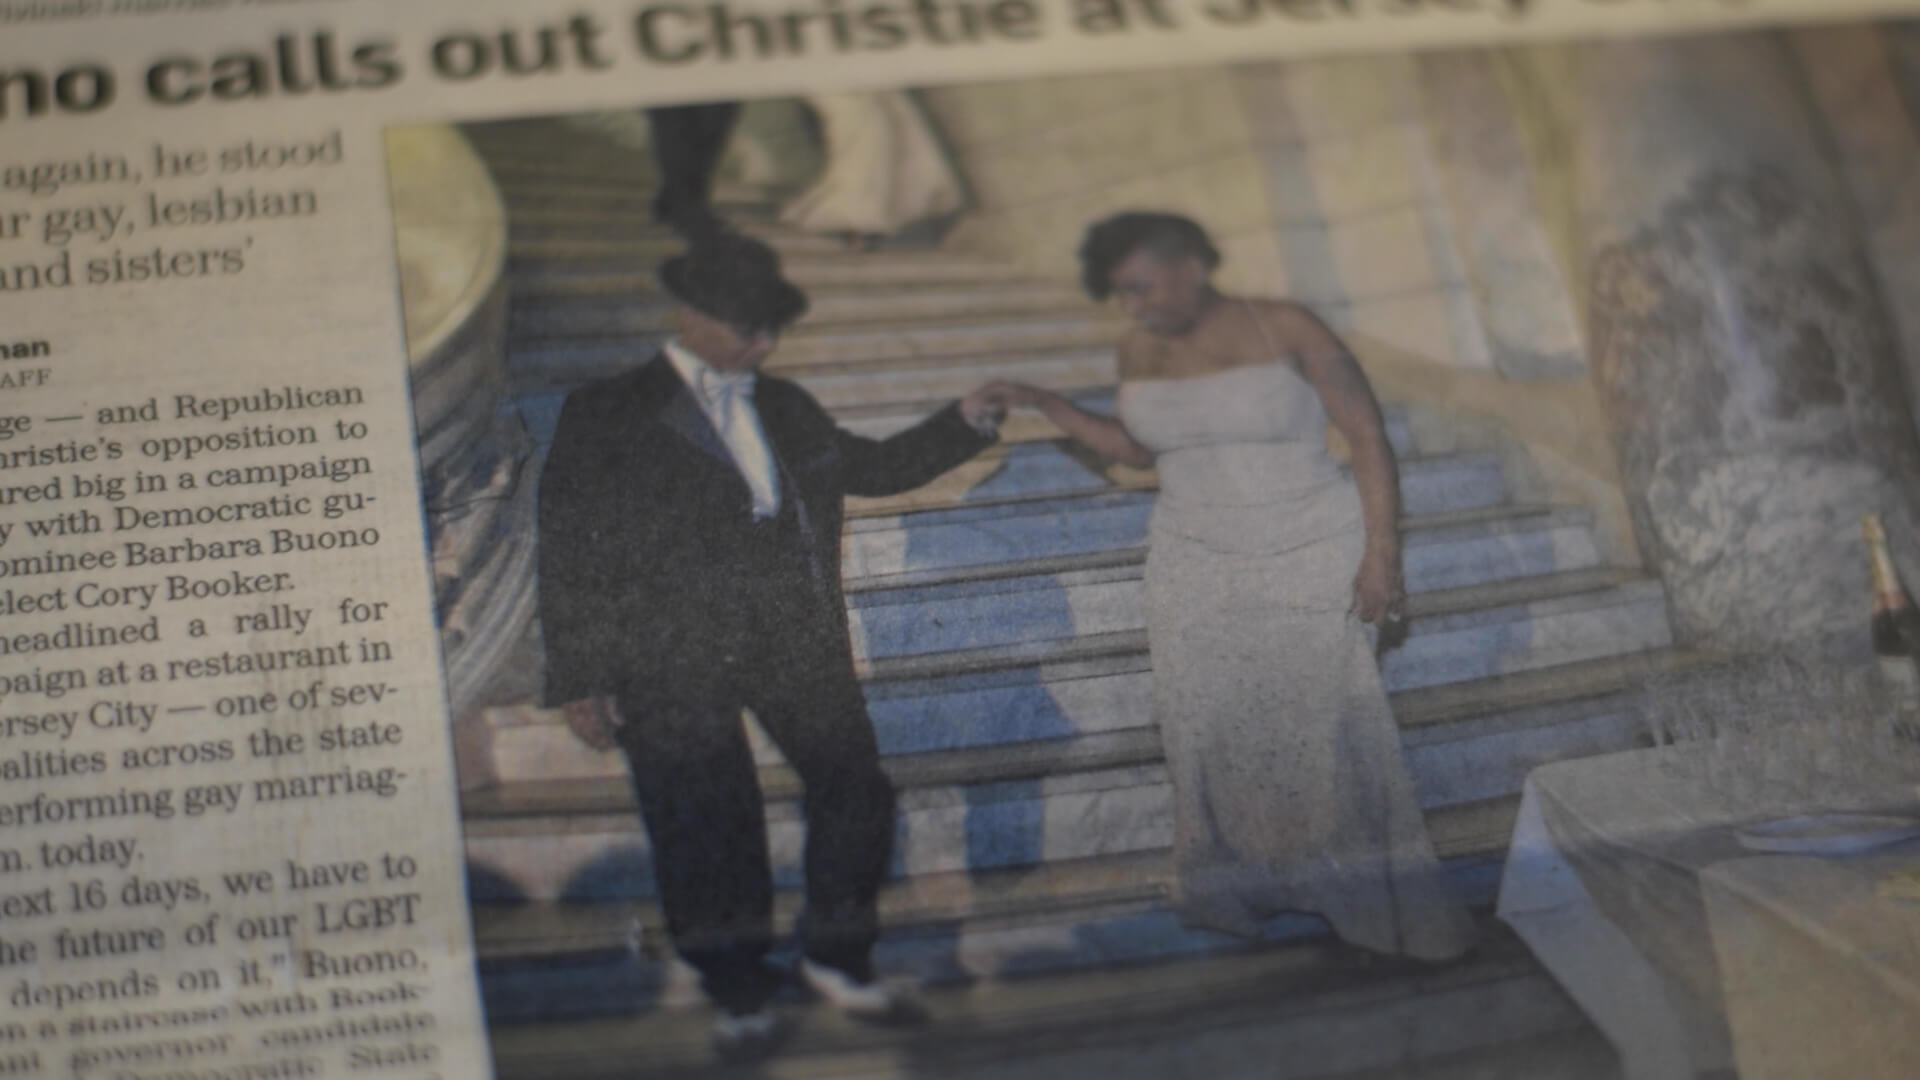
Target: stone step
[(588, 175), (876, 397), (1007, 473), (1302, 1010), (1490, 756), (568, 171), (557, 215), (1084, 327), (566, 165), (1059, 537), (1002, 917), (545, 262), (1001, 894), (541, 309), (555, 197), (1003, 475), (564, 158), (542, 135), (880, 417), (1100, 789), (573, 161), (580, 839), (640, 236), (934, 541), (953, 506), (1139, 879), (619, 948), (960, 812), (879, 399), (1037, 690), (569, 214), (568, 162), (506, 933), (1576, 588), (1463, 742), (1029, 466), (953, 712), (1066, 696), (640, 243), (980, 929), (1547, 621), (539, 408), (1574, 1053), (516, 130), (1462, 633)]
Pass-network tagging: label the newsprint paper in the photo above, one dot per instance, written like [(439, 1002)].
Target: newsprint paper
[(884, 538)]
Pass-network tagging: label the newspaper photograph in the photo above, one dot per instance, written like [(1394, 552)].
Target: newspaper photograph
[(1291, 539)]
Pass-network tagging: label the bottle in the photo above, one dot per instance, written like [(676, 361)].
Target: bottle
[(1896, 624)]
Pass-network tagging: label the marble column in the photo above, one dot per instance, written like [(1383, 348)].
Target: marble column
[(1740, 344), (475, 455), (1867, 77)]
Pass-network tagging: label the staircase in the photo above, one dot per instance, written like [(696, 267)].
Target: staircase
[(998, 620)]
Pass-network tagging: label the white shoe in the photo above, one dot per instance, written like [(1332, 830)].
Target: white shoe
[(745, 1037), (874, 1001)]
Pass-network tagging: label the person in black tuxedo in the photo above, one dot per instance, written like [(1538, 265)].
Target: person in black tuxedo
[(687, 142), (689, 525)]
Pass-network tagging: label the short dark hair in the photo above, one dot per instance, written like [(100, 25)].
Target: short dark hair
[(1110, 242)]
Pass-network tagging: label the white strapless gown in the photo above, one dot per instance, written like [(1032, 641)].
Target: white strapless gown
[(1290, 791), (884, 168)]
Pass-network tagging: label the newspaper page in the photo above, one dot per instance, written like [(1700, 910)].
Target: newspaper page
[(1282, 538)]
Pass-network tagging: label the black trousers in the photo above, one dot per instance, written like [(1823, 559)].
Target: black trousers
[(699, 792), (687, 143)]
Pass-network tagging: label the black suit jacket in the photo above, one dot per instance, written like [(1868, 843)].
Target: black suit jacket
[(654, 577)]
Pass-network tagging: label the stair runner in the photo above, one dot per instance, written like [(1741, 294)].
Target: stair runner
[(999, 624)]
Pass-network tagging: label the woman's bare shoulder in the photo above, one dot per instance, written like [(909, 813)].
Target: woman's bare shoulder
[(1138, 355), (1294, 330), (1286, 318)]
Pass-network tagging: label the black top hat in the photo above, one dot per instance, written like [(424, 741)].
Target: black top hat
[(735, 279)]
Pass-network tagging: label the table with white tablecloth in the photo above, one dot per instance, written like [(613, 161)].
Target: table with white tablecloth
[(1819, 965), (1627, 878)]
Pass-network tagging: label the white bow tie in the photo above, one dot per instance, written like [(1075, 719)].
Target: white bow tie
[(722, 387), (729, 398)]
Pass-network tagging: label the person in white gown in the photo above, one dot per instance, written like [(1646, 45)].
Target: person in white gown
[(1270, 573), (884, 169)]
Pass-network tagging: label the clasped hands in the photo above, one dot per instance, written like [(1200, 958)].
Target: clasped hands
[(1379, 592), (990, 402)]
